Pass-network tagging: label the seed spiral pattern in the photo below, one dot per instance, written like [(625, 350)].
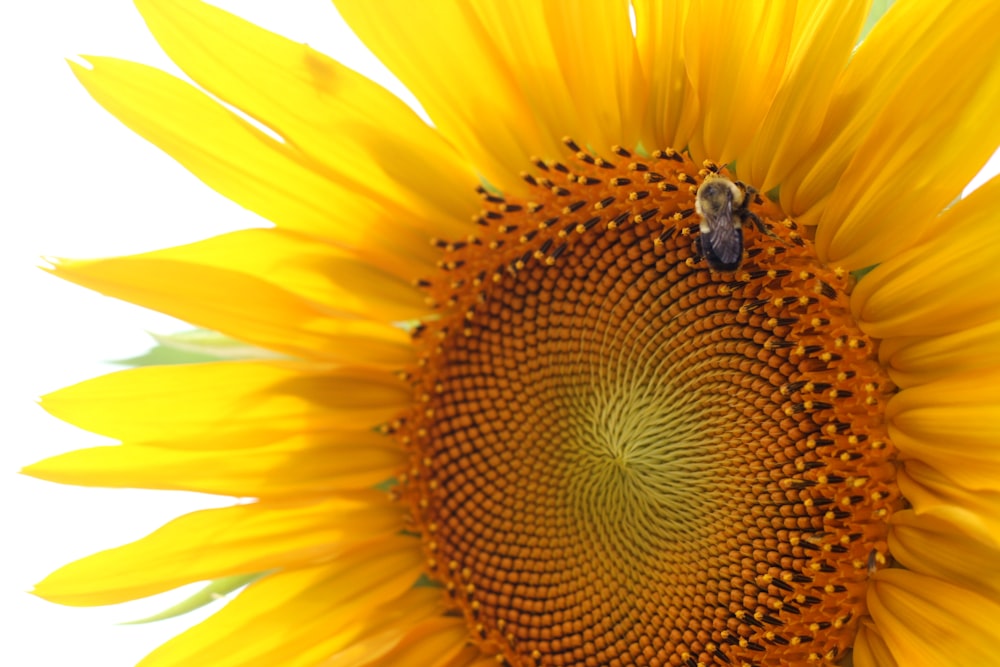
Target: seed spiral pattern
[(621, 457)]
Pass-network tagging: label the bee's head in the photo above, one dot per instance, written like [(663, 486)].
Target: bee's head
[(716, 193)]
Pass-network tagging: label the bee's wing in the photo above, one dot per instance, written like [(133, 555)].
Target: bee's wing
[(725, 239)]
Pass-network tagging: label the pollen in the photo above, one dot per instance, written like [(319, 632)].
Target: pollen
[(620, 456)]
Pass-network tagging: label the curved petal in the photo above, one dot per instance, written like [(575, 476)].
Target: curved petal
[(913, 360), (735, 54), (477, 106), (793, 121), (926, 622), (937, 548), (222, 542), (934, 134), (295, 619), (947, 284), (269, 288), (951, 425), (601, 71), (241, 162), (230, 155), (351, 126), (902, 47), (228, 404), (932, 494), (378, 632), (301, 465), (588, 89), (672, 109), (435, 642), (870, 649), (236, 304)]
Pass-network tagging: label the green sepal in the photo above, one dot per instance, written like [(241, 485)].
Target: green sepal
[(215, 590), (196, 346), (861, 273)]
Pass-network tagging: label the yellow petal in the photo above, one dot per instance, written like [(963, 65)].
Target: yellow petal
[(228, 404), (237, 304), (601, 71), (672, 108), (269, 177), (239, 161), (477, 106), (300, 465), (735, 54), (588, 89), (913, 360), (933, 135), (951, 425), (433, 643), (222, 542), (375, 634), (935, 547), (870, 649), (351, 126), (932, 494), (820, 51), (947, 284), (269, 288), (293, 619), (899, 59), (927, 622)]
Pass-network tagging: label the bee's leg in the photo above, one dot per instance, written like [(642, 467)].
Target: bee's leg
[(759, 224), (698, 254)]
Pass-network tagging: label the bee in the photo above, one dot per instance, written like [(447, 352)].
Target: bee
[(724, 206)]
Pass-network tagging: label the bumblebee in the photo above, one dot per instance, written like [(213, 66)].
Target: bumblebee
[(724, 206)]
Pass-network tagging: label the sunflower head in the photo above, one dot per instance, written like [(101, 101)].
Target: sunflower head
[(625, 402), (612, 438)]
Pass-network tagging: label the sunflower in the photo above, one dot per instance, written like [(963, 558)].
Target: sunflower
[(513, 405)]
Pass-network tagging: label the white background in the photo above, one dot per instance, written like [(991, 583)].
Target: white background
[(75, 183)]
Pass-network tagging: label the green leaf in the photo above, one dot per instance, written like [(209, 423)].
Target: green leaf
[(215, 590), (196, 346), (879, 8)]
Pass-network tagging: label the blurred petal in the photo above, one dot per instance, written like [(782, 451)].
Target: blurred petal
[(916, 147), (870, 649), (948, 284), (897, 50), (588, 89), (222, 404), (672, 108), (951, 425), (477, 106), (350, 125), (926, 622), (819, 54), (233, 157), (938, 549), (308, 464), (975, 512), (222, 542), (292, 618), (432, 643), (915, 360), (735, 54)]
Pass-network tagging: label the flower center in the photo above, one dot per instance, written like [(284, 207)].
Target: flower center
[(621, 455)]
